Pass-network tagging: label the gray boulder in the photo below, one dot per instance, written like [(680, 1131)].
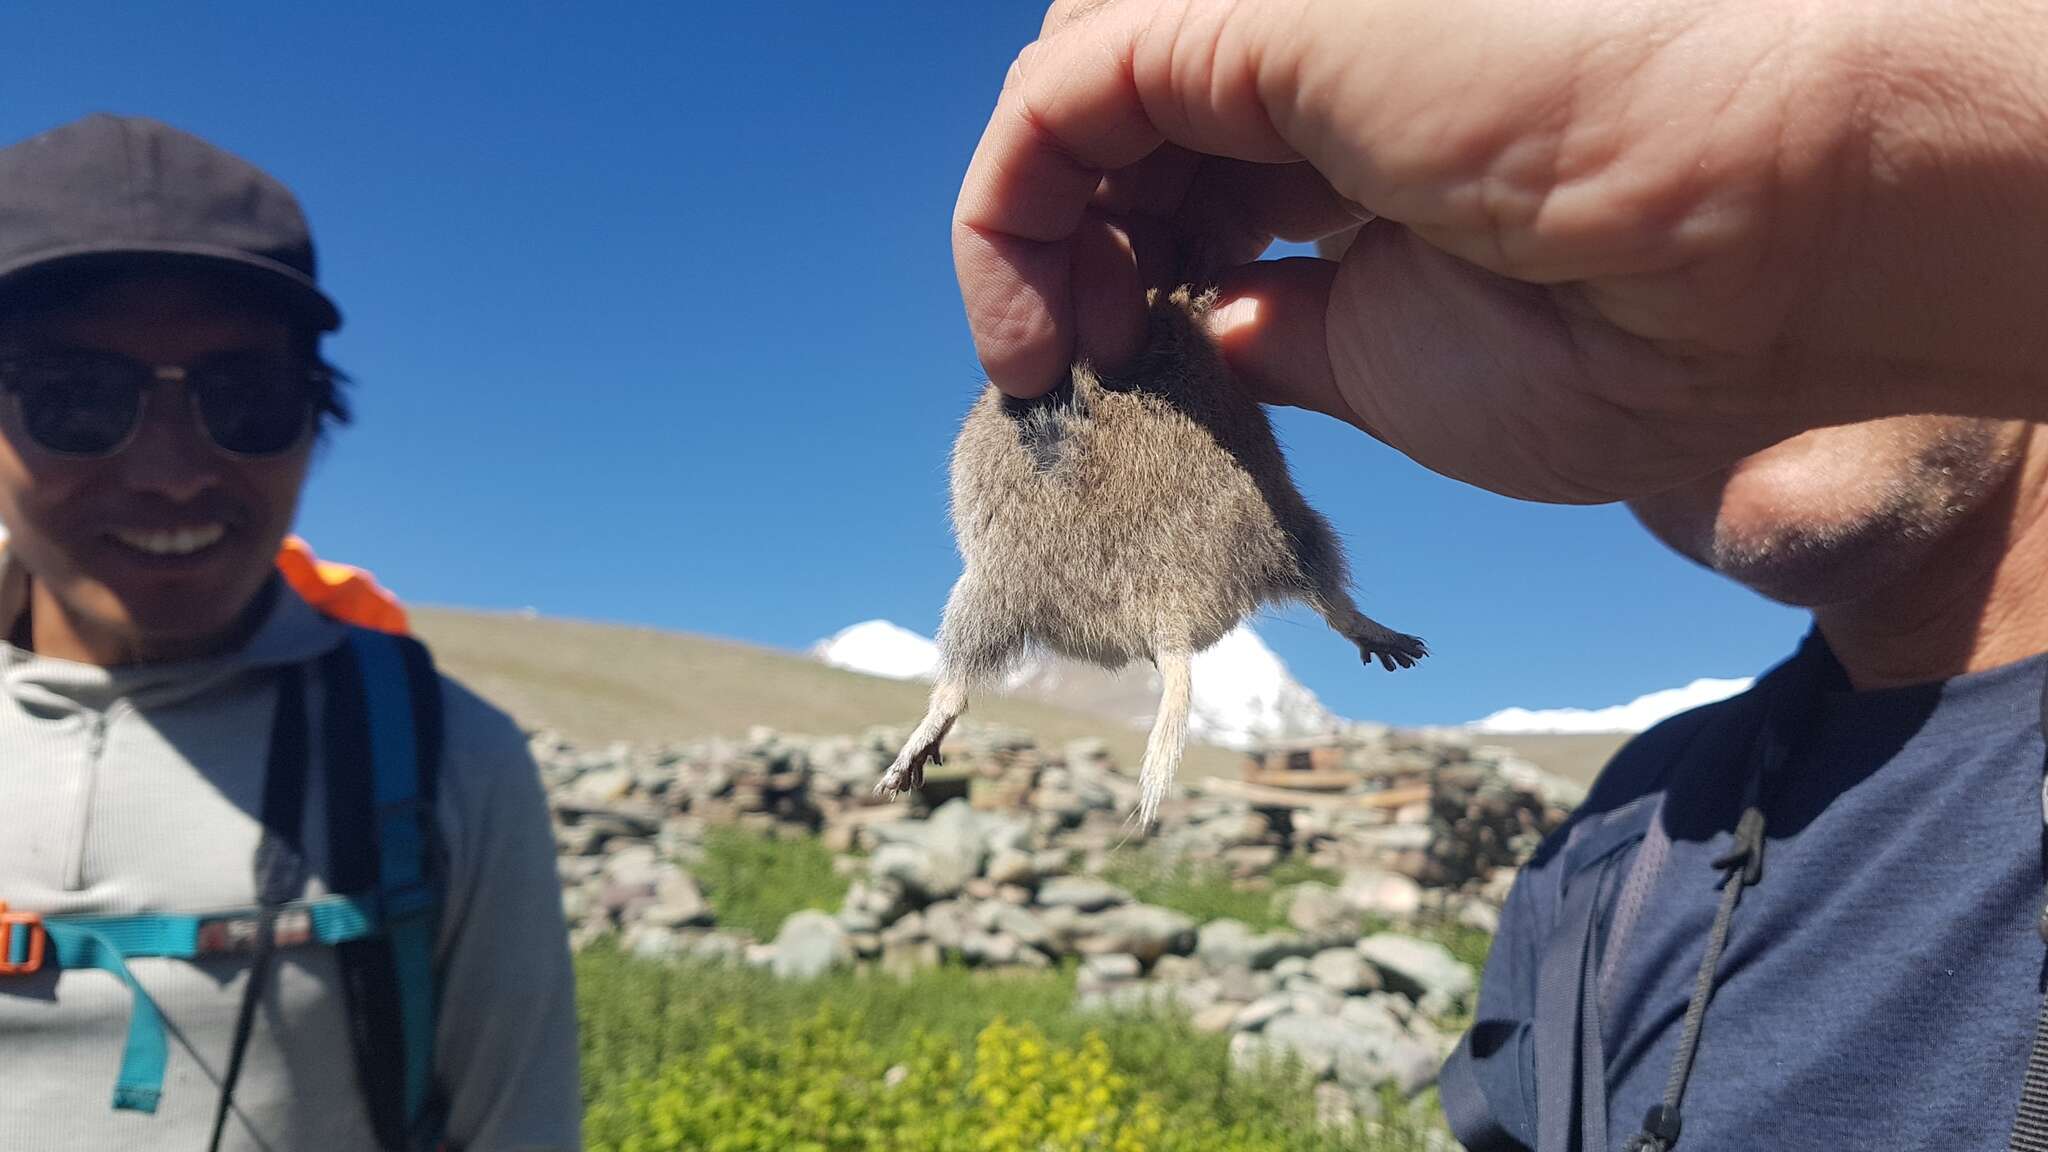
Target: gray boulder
[(1424, 971), (1081, 893), (809, 945), (1343, 971), (1142, 930), (1226, 944)]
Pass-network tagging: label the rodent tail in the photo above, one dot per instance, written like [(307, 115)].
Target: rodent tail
[(1169, 734)]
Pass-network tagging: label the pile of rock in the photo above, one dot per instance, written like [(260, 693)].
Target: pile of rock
[(1000, 863)]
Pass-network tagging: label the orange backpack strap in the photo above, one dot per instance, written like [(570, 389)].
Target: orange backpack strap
[(345, 593)]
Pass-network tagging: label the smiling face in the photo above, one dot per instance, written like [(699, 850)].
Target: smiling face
[(160, 549)]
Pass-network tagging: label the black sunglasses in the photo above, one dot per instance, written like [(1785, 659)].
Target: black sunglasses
[(86, 405)]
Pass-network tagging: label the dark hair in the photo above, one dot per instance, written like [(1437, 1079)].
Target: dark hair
[(330, 405)]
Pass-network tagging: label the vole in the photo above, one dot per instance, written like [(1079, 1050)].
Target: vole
[(1143, 514)]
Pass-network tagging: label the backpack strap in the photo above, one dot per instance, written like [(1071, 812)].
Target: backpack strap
[(2030, 1123), (1571, 1062), (384, 753)]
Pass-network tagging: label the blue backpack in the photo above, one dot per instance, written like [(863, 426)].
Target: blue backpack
[(382, 710)]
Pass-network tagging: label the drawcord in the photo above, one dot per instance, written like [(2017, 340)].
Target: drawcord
[(1744, 866), (280, 870)]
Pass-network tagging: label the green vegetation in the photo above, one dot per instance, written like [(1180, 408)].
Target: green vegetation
[(755, 882), (1206, 891), (698, 1057)]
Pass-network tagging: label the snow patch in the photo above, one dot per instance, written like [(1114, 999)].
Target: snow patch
[(1634, 716)]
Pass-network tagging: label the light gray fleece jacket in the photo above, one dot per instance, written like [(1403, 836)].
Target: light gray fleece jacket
[(137, 789)]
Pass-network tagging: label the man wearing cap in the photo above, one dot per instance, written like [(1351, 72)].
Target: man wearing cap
[(266, 881)]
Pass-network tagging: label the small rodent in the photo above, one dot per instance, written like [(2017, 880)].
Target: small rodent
[(1138, 515)]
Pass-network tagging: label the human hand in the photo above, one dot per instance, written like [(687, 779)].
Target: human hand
[(1617, 245)]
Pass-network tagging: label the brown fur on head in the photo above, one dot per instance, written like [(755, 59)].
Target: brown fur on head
[(1144, 514)]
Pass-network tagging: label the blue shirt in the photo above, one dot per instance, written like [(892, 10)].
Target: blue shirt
[(1881, 984)]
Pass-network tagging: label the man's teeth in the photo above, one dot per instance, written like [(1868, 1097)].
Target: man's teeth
[(174, 541)]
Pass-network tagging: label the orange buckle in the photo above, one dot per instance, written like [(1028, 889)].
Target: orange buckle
[(30, 954)]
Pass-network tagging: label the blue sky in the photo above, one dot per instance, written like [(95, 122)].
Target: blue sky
[(653, 320)]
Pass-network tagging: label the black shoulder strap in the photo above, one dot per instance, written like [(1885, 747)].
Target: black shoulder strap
[(280, 866), (2030, 1126)]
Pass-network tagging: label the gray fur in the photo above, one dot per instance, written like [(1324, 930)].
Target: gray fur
[(1139, 516)]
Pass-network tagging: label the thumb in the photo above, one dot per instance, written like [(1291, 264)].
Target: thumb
[(1271, 324)]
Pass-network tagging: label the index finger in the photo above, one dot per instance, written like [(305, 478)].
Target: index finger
[(1099, 93)]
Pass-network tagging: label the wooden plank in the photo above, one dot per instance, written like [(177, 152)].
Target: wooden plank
[(1270, 797)]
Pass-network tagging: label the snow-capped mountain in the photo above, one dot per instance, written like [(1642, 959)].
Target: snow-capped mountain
[(1242, 691), (1634, 716), (880, 648)]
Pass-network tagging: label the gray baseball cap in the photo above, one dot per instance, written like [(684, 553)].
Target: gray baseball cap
[(110, 194)]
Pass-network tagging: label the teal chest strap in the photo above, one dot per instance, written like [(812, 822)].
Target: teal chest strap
[(382, 762), (109, 942)]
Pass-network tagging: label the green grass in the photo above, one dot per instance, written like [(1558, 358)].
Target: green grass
[(755, 882), (1206, 891), (671, 1051)]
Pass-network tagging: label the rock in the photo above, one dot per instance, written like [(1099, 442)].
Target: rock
[(1380, 893), (1318, 912), (576, 904), (913, 868), (946, 924), (719, 947), (859, 920), (1420, 969), (649, 940), (1143, 930), (1361, 1056), (1481, 915), (1252, 860), (1081, 893), (1309, 998), (1177, 970), (603, 786), (1010, 866), (1224, 944), (809, 945), (1380, 1051), (634, 868), (1020, 923), (1256, 1014), (989, 948), (909, 927), (1343, 971), (1217, 1017), (1291, 966), (1238, 828), (1243, 984), (1110, 968), (678, 902), (1313, 1040)]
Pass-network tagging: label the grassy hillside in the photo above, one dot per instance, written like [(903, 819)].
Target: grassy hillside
[(601, 682)]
